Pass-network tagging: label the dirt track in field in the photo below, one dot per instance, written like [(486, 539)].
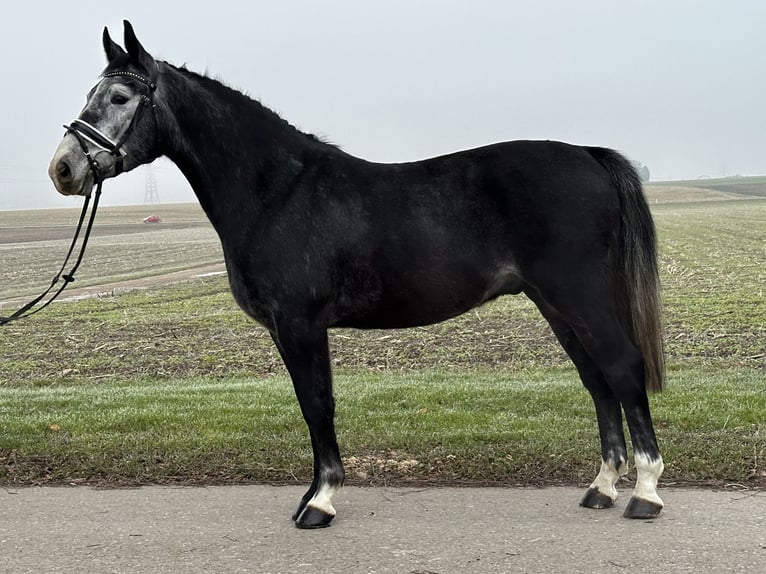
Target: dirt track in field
[(118, 287), (28, 234), (20, 234), (145, 282)]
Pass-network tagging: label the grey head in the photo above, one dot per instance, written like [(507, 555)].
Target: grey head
[(116, 131)]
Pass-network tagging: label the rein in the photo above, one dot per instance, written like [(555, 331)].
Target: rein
[(83, 131), (28, 310)]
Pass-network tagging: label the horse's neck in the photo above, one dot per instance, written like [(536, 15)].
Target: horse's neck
[(226, 145)]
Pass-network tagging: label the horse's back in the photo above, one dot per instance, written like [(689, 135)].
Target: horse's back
[(513, 184)]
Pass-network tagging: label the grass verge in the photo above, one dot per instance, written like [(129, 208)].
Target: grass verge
[(520, 428)]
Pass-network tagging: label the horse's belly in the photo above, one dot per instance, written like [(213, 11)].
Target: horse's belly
[(412, 303)]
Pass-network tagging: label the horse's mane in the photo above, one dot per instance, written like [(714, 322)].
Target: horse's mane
[(227, 93)]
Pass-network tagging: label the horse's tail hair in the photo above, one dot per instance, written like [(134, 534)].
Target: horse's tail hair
[(637, 276)]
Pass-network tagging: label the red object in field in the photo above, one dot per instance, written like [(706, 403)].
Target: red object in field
[(152, 219)]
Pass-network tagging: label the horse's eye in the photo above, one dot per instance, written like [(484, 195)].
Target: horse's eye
[(119, 100)]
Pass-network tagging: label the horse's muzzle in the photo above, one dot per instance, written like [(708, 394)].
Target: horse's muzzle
[(69, 169)]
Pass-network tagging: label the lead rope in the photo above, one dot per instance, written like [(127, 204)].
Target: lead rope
[(29, 309)]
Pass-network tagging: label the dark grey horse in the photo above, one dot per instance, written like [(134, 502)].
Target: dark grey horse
[(315, 238)]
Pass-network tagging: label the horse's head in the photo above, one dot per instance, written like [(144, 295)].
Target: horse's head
[(117, 129)]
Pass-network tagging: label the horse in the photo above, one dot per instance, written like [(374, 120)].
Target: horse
[(315, 238)]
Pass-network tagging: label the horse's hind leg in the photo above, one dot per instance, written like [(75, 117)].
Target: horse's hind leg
[(307, 358), (602, 492), (623, 368), (612, 369)]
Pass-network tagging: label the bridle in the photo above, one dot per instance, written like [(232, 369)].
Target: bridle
[(83, 131)]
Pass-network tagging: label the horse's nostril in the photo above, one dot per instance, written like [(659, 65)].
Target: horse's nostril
[(63, 170)]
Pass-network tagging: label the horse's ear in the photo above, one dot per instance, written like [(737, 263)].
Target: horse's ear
[(110, 47), (135, 49)]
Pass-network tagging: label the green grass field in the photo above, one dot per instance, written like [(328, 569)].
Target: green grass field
[(486, 428), (174, 384)]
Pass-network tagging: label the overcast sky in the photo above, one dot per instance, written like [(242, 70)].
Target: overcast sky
[(677, 85)]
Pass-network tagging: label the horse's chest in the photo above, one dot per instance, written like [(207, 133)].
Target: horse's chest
[(253, 296)]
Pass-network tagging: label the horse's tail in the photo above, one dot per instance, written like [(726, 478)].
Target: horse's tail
[(637, 275)]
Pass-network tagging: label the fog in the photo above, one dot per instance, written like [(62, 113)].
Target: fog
[(678, 86)]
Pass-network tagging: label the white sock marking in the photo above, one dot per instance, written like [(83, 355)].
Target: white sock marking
[(648, 472), (322, 500), (607, 477)]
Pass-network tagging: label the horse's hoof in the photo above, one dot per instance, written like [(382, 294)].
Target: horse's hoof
[(313, 518), (642, 509), (594, 498), (299, 510)]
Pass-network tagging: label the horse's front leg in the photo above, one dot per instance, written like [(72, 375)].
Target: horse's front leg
[(307, 358)]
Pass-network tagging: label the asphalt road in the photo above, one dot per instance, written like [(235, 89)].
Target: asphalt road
[(238, 529)]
